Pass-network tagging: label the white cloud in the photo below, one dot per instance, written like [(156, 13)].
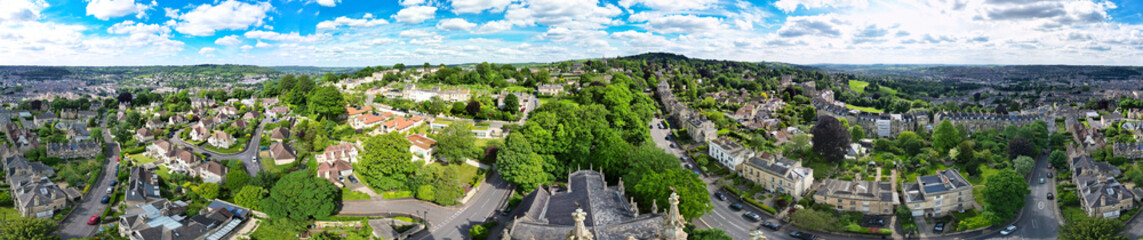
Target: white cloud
[(131, 27), (477, 6), (415, 14), (246, 47), (346, 21), (231, 40), (262, 45), (455, 24), (205, 19), (494, 27), (207, 51), (21, 10), (106, 9), (417, 34), (670, 5), (791, 5), (381, 41), (327, 3), (684, 24), (563, 13), (411, 2), (289, 37)]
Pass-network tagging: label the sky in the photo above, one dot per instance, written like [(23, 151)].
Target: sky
[(385, 32)]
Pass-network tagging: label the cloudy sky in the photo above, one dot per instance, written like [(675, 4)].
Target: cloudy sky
[(384, 32)]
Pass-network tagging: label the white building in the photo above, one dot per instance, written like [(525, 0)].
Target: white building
[(728, 152)]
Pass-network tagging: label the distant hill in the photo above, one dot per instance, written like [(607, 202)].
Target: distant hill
[(314, 70)]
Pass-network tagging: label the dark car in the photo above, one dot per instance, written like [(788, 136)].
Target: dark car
[(105, 199), (752, 216), (877, 222), (720, 196), (1050, 196), (114, 182), (771, 225), (352, 179), (940, 227), (802, 235), (93, 220), (206, 154), (668, 137), (736, 207), (506, 211)]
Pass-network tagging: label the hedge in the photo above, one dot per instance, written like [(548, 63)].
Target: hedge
[(854, 228), (397, 194), (135, 150)]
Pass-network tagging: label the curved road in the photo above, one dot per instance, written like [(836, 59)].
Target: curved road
[(450, 223), (246, 155), (75, 225)]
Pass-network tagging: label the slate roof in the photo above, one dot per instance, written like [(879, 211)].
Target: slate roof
[(1102, 191), (547, 215), (863, 190), (141, 184), (279, 133)]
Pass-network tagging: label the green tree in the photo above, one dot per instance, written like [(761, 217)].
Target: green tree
[(945, 136), (518, 164), (1092, 228), (910, 142), (386, 166), (250, 196), (425, 192), (301, 196), (856, 133), (455, 143), (511, 103), (814, 220), (830, 139), (1020, 146), (327, 102), (1058, 159), (1023, 164), (1004, 195), (287, 83), (709, 234), (236, 178), (966, 153), (21, 228), (208, 190)]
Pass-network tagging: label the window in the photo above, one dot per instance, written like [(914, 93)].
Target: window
[(937, 204), (865, 204)]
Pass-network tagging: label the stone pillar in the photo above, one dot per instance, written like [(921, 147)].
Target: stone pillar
[(674, 223), (580, 232)]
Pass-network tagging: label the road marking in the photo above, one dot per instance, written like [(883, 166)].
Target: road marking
[(1040, 205)]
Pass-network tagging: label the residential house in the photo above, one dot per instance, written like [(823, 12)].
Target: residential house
[(1086, 166), (1103, 196), (728, 152), (142, 186), (354, 111), (177, 119), (282, 153), (939, 194), (155, 123), (38, 197), (277, 112), (74, 150), (369, 120), (400, 124), (974, 121), (211, 172), (269, 102), (460, 95), (341, 152), (175, 158), (869, 197), (700, 128), (251, 115), (163, 220), (550, 89), (22, 138), (221, 140), (44, 119), (778, 174), (209, 123), (439, 124), (202, 103), (228, 111), (279, 134), (199, 133), (486, 131), (1128, 150), (240, 124), (422, 147), (144, 135), (335, 171), (19, 168)]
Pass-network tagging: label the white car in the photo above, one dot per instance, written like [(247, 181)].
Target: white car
[(1008, 230)]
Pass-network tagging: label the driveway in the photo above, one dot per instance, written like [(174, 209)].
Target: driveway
[(246, 155), (75, 225)]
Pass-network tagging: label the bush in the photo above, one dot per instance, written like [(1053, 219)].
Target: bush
[(397, 194), (480, 232), (853, 227), (425, 192), (761, 206)]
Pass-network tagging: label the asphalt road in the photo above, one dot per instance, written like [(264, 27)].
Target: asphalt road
[(75, 226), (1039, 219), (246, 155), (1134, 229), (451, 223)]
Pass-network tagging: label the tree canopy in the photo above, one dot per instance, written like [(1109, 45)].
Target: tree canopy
[(455, 143), (1092, 228), (21, 228), (301, 196), (830, 138), (945, 136), (1004, 195), (1023, 165), (386, 165)]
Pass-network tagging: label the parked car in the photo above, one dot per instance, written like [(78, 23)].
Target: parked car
[(105, 200), (1008, 230), (1050, 196), (752, 216), (720, 196), (114, 182), (1041, 180), (689, 166), (696, 172), (802, 235), (673, 145), (877, 222), (736, 207), (668, 137), (771, 225), (206, 154), (93, 220), (939, 227), (352, 179), (110, 189), (506, 211)]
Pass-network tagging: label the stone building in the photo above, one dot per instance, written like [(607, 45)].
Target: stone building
[(869, 197), (1103, 196), (779, 174), (975, 121), (589, 209), (937, 195), (728, 152)]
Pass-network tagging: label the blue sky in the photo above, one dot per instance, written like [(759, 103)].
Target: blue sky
[(384, 32)]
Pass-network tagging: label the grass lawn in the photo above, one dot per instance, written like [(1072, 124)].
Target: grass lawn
[(978, 182), (237, 147), (269, 166), (467, 173), (864, 109), (164, 172), (396, 194), (821, 169), (8, 213), (1072, 213), (347, 194), (484, 142), (859, 86), (544, 100), (140, 159)]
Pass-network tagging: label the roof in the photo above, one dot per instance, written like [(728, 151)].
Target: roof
[(943, 181), (213, 167), (373, 117), (281, 151), (279, 133), (354, 110), (421, 141), (863, 190), (547, 215)]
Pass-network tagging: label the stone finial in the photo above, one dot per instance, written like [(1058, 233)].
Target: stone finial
[(629, 237), (634, 207), (654, 206), (580, 232), (674, 223), (621, 189), (506, 235)]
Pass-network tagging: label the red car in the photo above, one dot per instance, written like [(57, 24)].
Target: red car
[(94, 219)]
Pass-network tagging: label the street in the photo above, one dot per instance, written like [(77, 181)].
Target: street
[(246, 155), (1039, 219), (75, 225), (450, 223)]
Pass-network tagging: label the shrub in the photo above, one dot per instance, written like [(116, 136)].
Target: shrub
[(761, 206), (397, 194), (425, 192)]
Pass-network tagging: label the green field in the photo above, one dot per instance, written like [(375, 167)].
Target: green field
[(864, 109), (140, 159), (859, 86), (8, 212), (347, 194)]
